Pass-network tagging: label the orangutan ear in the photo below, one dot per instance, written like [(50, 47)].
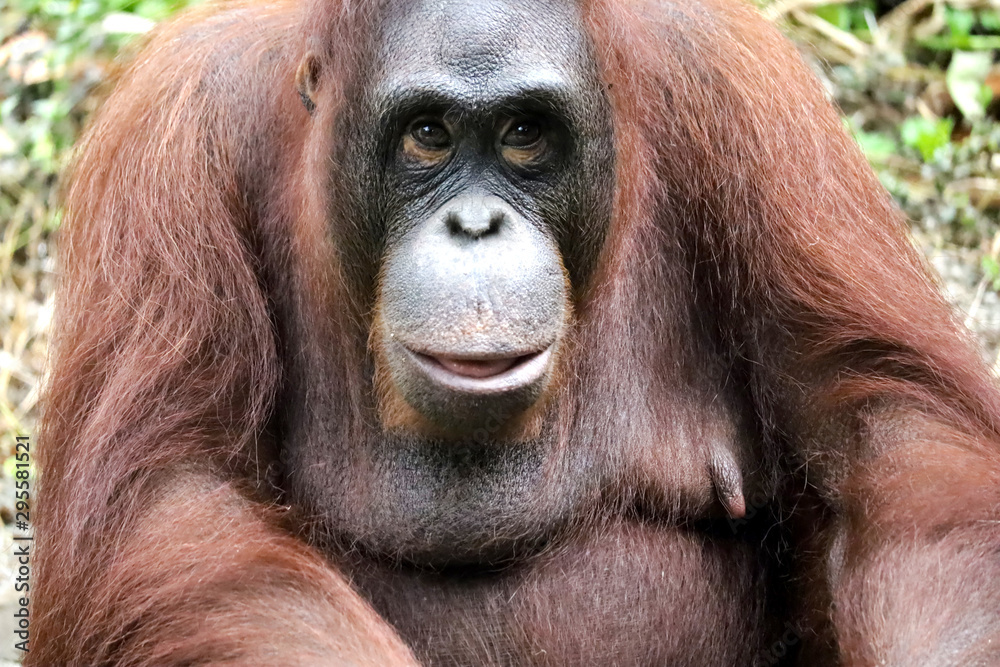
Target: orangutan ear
[(307, 81)]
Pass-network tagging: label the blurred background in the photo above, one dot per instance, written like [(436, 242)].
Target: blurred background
[(918, 82)]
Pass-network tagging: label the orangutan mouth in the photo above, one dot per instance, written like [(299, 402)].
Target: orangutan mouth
[(484, 375)]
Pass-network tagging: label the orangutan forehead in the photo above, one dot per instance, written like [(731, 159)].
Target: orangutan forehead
[(481, 41)]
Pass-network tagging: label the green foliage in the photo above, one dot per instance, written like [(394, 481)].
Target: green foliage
[(968, 30), (877, 146), (55, 52), (991, 270), (918, 88), (849, 17), (53, 56), (927, 135)]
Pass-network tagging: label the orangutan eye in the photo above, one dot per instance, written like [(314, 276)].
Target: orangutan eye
[(427, 141), (522, 134), (431, 135)]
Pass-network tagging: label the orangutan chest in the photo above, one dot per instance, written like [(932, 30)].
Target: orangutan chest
[(624, 594)]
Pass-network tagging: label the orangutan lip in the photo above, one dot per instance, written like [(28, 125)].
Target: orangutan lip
[(484, 376), (478, 368)]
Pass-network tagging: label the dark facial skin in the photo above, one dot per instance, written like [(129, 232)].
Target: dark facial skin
[(482, 172), (491, 130)]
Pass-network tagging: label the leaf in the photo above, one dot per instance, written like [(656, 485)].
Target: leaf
[(877, 146), (966, 79), (927, 135), (834, 15), (960, 21), (990, 20)]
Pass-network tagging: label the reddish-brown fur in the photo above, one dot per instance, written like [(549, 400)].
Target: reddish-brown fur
[(744, 217)]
